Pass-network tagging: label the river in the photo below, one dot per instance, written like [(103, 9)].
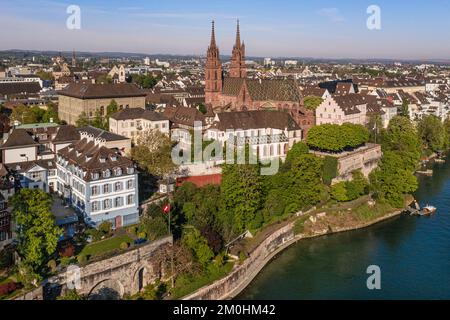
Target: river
[(413, 254)]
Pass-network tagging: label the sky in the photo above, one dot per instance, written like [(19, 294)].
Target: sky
[(410, 29)]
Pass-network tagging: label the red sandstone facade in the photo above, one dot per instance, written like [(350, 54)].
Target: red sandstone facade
[(237, 92)]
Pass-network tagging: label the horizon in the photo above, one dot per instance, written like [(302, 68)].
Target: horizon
[(270, 29)]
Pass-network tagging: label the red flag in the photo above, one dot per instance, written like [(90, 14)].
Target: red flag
[(166, 208)]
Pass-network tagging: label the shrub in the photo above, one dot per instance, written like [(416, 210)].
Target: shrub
[(133, 230), (65, 261), (105, 227), (52, 265), (142, 235), (7, 288), (299, 225), (124, 245), (6, 258), (330, 171)]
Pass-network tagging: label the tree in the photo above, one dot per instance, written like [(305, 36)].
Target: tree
[(153, 153), (336, 138), (106, 79), (23, 114), (242, 196), (37, 233), (433, 133), (82, 120), (202, 108), (404, 110), (312, 102), (297, 150), (194, 241), (401, 137), (45, 75), (393, 179)]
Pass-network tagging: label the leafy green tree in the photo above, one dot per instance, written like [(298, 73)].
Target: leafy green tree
[(339, 192), (393, 179), (242, 196), (335, 138), (330, 169), (194, 241), (82, 120), (401, 137), (153, 153), (202, 108), (37, 233), (404, 110), (23, 114), (433, 133), (297, 150), (312, 102), (303, 185)]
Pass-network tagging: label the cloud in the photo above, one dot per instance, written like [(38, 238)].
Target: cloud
[(331, 13)]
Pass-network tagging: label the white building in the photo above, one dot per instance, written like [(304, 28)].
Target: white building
[(132, 122), (99, 183), (269, 133), (351, 108)]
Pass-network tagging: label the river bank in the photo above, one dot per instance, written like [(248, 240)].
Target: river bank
[(412, 253), (318, 222)]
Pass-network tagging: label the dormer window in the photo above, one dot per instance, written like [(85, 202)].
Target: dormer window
[(106, 174), (130, 170), (95, 176), (78, 153), (118, 171), (88, 158), (102, 160), (114, 158)]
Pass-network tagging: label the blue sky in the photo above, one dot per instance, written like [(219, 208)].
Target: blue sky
[(410, 29)]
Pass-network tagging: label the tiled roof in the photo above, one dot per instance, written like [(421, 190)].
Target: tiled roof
[(275, 90), (256, 119), (93, 158), (18, 138), (19, 88), (138, 113), (96, 91), (101, 134)]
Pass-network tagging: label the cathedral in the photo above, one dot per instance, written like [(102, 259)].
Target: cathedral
[(236, 92)]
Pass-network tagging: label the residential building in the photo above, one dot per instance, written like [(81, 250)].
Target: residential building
[(98, 182), (341, 109), (131, 123)]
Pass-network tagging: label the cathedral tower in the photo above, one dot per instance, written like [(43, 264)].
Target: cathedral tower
[(213, 72), (237, 66)]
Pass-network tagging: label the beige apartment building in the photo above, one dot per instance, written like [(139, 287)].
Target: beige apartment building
[(89, 98), (131, 123)]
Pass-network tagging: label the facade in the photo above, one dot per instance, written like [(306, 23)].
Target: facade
[(269, 133), (239, 93), (131, 123), (365, 158), (349, 108), (98, 182), (91, 99)]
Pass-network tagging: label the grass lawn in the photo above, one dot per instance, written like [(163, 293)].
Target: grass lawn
[(104, 246)]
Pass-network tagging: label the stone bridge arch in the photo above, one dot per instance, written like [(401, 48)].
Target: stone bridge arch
[(109, 289)]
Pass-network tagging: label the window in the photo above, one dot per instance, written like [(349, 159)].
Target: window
[(106, 174), (95, 176), (118, 202), (95, 206), (106, 188), (118, 171), (130, 199), (130, 184), (118, 186), (95, 190), (107, 204), (130, 170)]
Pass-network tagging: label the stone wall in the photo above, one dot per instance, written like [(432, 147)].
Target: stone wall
[(121, 269), (243, 274)]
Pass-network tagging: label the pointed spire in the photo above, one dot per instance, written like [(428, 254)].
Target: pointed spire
[(238, 35), (213, 35)]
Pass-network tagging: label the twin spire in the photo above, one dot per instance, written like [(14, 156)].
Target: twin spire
[(238, 36)]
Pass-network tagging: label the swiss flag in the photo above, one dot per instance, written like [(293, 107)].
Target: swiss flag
[(166, 208)]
